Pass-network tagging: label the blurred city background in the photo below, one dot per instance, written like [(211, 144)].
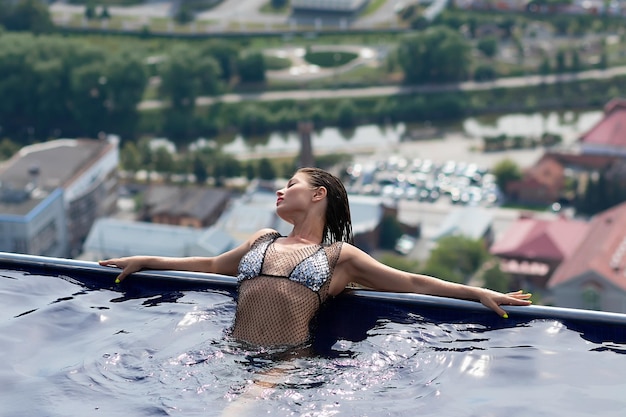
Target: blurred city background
[(482, 142)]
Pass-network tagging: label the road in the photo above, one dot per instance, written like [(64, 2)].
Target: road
[(381, 91)]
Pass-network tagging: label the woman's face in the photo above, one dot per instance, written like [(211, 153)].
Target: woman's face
[(296, 196)]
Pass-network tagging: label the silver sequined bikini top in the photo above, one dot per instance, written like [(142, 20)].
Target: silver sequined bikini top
[(313, 270)]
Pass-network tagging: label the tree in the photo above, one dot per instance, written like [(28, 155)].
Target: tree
[(125, 80), (485, 73), (8, 149), (437, 54), (506, 171), (130, 157), (104, 13), (163, 160), (90, 11), (459, 254), (560, 61), (185, 74), (226, 55), (89, 95), (390, 231), (488, 46), (251, 68), (346, 113), (400, 262), (266, 169), (495, 279), (26, 15), (183, 15)]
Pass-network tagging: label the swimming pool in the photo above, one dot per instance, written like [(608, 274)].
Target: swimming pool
[(74, 344)]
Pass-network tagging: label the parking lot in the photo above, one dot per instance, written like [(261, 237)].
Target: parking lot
[(427, 184)]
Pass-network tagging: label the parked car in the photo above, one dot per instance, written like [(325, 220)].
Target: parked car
[(405, 244)]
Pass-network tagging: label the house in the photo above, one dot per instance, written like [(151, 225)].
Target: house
[(541, 185), (325, 6), (52, 192), (113, 238), (472, 222), (533, 248), (608, 136), (254, 210), (594, 276), (184, 206)]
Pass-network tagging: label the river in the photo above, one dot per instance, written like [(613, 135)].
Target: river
[(437, 141)]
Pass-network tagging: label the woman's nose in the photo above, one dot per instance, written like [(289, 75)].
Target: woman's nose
[(280, 192)]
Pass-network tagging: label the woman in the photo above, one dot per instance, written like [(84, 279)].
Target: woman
[(283, 280)]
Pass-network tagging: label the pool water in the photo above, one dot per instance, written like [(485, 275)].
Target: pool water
[(73, 348)]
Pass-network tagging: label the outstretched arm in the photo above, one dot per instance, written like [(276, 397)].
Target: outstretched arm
[(355, 265), (225, 264)]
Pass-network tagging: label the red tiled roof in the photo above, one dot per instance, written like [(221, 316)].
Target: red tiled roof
[(530, 238), (588, 161), (611, 130), (603, 250)]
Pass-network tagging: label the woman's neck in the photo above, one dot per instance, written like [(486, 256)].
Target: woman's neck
[(306, 235)]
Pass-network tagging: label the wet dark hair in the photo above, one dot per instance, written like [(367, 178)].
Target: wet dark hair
[(338, 222)]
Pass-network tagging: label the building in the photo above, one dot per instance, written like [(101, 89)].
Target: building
[(113, 238), (328, 6), (472, 222), (184, 206), (533, 248), (540, 185), (52, 192), (594, 275), (253, 211), (608, 136)]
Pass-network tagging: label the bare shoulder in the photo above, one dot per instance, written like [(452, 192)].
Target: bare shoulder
[(350, 253), (260, 233)]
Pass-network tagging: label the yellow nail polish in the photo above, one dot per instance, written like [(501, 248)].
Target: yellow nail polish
[(117, 280), (505, 316)]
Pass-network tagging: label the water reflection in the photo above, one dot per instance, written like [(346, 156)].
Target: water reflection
[(569, 124)]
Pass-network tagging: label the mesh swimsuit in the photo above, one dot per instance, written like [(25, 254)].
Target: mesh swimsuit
[(281, 291)]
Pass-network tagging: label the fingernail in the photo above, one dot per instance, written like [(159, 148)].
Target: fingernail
[(505, 316), (117, 280)]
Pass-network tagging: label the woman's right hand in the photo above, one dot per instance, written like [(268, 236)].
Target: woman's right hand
[(128, 265)]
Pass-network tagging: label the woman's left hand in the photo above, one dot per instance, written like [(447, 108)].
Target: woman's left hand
[(494, 299)]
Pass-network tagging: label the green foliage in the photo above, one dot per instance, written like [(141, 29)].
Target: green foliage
[(90, 11), (130, 157), (437, 54), (66, 87), (104, 13), (600, 194), (266, 170), (279, 4), (252, 68), (459, 255), (254, 120), (273, 62), (399, 262), (495, 279), (329, 59), (390, 231), (346, 112), (8, 149), (26, 15), (225, 53), (185, 75), (485, 73), (183, 15), (506, 171), (488, 46)]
